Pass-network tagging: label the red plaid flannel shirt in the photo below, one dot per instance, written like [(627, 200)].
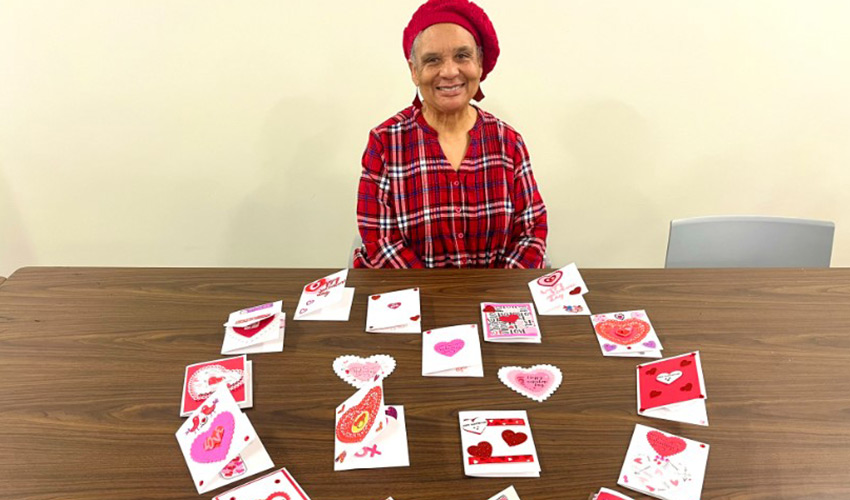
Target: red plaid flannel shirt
[(415, 210)]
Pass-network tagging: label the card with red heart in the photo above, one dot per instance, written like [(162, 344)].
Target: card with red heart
[(255, 330), (673, 389), (454, 351), (394, 312), (626, 334), (326, 299), (359, 420), (608, 494), (200, 380), (498, 444), (279, 485), (508, 493), (552, 293), (663, 465), (389, 449), (515, 322)]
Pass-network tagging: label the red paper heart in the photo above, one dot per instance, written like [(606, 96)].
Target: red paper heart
[(376, 297), (627, 332), (489, 309), (254, 328), (575, 291), (482, 449), (666, 446), (354, 424), (685, 362), (514, 438), (654, 394), (414, 318), (687, 387), (394, 305), (510, 318), (652, 371)]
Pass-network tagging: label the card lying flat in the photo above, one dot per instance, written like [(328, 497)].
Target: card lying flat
[(606, 494), (508, 493), (359, 421), (326, 299), (509, 322), (497, 444), (664, 466), (202, 379), (554, 292), (537, 382), (279, 485), (255, 330), (360, 372), (389, 449), (673, 389), (626, 334), (454, 351), (394, 312)]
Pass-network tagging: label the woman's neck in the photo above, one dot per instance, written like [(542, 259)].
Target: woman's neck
[(454, 123)]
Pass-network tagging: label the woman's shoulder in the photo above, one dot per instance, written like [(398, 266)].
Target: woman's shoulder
[(499, 126), (403, 119)]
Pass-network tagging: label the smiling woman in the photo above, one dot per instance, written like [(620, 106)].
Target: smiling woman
[(445, 183)]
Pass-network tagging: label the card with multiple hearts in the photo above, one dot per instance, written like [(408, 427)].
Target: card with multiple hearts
[(255, 330), (663, 465), (394, 312), (326, 299), (219, 443), (454, 351), (359, 371), (498, 444), (673, 389), (509, 322), (508, 493), (279, 485), (559, 293), (359, 421), (626, 334), (202, 379), (389, 449), (537, 382), (608, 494)]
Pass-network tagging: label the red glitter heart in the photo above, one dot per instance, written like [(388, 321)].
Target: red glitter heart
[(482, 449), (489, 309), (666, 446), (514, 438)]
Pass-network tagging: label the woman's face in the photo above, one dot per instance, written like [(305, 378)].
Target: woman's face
[(446, 67)]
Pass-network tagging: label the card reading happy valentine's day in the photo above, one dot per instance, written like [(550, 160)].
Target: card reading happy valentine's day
[(255, 330), (626, 334), (508, 493), (359, 371), (664, 466), (359, 420), (537, 382), (497, 444), (509, 322), (389, 449), (279, 485), (560, 293), (326, 299), (202, 379), (673, 389), (454, 351), (608, 494), (219, 443), (394, 312)]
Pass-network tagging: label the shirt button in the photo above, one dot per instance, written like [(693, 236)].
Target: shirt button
[(456, 183), (460, 235)]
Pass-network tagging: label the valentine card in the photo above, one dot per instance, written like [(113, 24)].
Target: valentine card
[(673, 389), (279, 485), (508, 493), (509, 322), (389, 449), (326, 299), (202, 379), (574, 306), (558, 289), (663, 465), (497, 444), (219, 443), (606, 494), (394, 312), (255, 330), (537, 382), (359, 420), (359, 371), (626, 334), (454, 351)]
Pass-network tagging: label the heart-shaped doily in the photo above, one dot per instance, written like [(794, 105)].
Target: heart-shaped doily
[(206, 379), (361, 372), (537, 382), (625, 332), (213, 444)]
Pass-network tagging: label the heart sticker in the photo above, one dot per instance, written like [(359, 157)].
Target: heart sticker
[(205, 380), (354, 425), (449, 348), (537, 382), (360, 372), (514, 438), (212, 445), (510, 318), (482, 450), (550, 279), (489, 309), (668, 378), (625, 332), (394, 305), (475, 425), (666, 446)]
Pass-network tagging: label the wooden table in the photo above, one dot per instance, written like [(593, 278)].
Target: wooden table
[(92, 360)]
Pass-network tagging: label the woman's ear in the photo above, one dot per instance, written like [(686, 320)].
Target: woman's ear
[(413, 75)]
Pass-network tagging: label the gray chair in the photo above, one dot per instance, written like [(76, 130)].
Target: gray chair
[(749, 241)]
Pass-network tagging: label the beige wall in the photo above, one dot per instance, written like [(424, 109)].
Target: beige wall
[(224, 133)]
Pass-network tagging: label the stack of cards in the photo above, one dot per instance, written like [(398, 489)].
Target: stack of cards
[(606, 494), (673, 389), (626, 334), (255, 330), (508, 493), (560, 293), (497, 444), (394, 312), (509, 322), (663, 465), (219, 443), (454, 351), (326, 299), (202, 379), (279, 485)]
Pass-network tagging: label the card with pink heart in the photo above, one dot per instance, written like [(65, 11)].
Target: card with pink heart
[(626, 334), (515, 322), (200, 380), (360, 372), (537, 382), (663, 465), (279, 485), (454, 351), (498, 444), (255, 330)]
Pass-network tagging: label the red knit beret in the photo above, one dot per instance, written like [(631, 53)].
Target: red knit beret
[(465, 14)]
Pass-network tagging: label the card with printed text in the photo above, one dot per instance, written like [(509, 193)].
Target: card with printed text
[(454, 351), (394, 312), (509, 322), (673, 389), (200, 380), (626, 334), (279, 485), (255, 330), (326, 299), (559, 293), (498, 444)]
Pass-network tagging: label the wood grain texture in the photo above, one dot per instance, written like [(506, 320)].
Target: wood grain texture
[(92, 360)]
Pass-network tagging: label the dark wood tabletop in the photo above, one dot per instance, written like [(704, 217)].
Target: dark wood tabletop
[(92, 361)]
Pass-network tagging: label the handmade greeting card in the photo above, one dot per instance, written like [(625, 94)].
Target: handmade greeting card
[(360, 372), (626, 334), (497, 444), (202, 379), (454, 351), (663, 465), (673, 389), (509, 322), (508, 493), (537, 382), (560, 293), (394, 312), (608, 494), (326, 299), (389, 449), (255, 330), (359, 420), (279, 485), (219, 443)]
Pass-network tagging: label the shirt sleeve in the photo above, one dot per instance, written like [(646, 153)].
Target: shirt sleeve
[(527, 247), (383, 245)]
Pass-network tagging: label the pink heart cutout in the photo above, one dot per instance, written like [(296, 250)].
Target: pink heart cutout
[(536, 382), (213, 444), (364, 371), (449, 348)]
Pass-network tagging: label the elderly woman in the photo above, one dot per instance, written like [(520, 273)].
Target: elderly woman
[(445, 183)]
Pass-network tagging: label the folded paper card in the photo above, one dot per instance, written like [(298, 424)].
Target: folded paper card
[(394, 312), (454, 351), (359, 421), (560, 293), (497, 444), (326, 299), (508, 493), (255, 330), (608, 494), (509, 322), (673, 389), (279, 485), (200, 380), (626, 334), (388, 449)]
